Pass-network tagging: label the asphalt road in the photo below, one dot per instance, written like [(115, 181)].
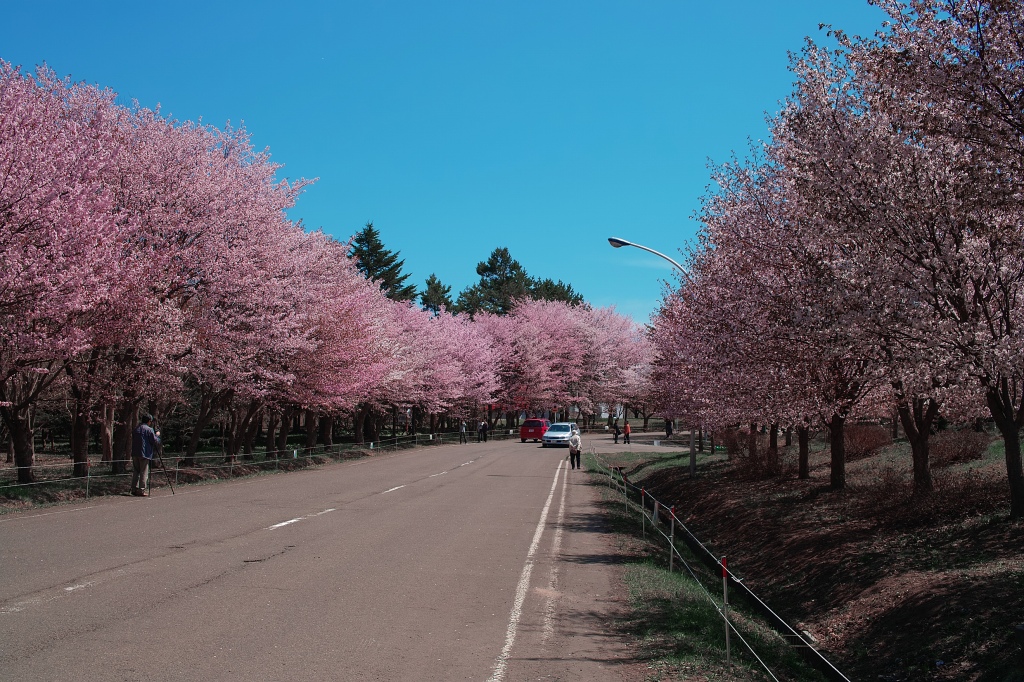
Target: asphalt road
[(458, 562)]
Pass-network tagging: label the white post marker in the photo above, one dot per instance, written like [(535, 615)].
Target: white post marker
[(725, 596), (672, 542)]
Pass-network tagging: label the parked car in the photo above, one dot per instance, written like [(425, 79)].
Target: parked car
[(533, 428), (559, 433)]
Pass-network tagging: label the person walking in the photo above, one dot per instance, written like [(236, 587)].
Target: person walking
[(575, 448), (668, 428), (483, 429), (145, 442), (462, 432), (617, 432), (625, 432)]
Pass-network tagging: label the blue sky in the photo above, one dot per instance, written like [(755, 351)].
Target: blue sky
[(460, 127)]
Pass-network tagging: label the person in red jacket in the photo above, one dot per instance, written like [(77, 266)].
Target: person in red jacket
[(625, 432)]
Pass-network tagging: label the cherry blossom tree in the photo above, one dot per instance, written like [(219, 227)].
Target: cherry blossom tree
[(57, 251)]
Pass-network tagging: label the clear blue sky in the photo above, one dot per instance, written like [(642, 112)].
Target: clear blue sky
[(458, 127)]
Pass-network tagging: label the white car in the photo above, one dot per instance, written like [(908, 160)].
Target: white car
[(559, 433)]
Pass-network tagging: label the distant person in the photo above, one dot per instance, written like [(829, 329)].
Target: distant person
[(625, 432), (617, 432), (462, 432), (575, 448), (145, 442), (481, 432), (668, 428)]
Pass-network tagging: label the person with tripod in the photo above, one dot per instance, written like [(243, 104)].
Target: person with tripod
[(145, 442)]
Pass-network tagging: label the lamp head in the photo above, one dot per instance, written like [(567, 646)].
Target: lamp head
[(618, 243)]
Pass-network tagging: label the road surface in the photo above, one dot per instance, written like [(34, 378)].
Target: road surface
[(456, 562)]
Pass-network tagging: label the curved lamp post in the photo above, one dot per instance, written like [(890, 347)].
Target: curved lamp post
[(618, 244)]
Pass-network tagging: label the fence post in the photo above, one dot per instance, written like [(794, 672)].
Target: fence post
[(87, 477), (643, 511), (672, 541), (625, 494), (654, 518), (725, 598)]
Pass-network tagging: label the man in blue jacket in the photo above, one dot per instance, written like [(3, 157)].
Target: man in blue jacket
[(145, 441)]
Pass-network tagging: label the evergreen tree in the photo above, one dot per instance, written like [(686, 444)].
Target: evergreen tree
[(503, 281), (381, 265), (436, 296), (548, 290)]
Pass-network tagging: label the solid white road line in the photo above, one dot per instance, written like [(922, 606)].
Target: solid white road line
[(556, 548), (524, 584), (391, 490)]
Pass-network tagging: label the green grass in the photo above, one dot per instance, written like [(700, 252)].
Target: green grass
[(676, 623)]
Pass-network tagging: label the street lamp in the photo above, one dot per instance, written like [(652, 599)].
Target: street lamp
[(618, 244)]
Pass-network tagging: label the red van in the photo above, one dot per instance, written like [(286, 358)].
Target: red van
[(533, 428)]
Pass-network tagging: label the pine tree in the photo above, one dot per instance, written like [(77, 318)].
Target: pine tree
[(503, 281), (436, 296), (381, 265)]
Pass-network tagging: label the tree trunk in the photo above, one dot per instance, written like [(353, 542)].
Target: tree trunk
[(752, 442), (312, 423), (773, 439), (249, 437), (1008, 421), (700, 440), (282, 435), (803, 436), (357, 423), (838, 448), (107, 434), (19, 424), (789, 436), (327, 430), (125, 417), (917, 424), (80, 439), (272, 420)]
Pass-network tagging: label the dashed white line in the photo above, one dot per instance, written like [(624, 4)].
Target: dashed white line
[(299, 518), (391, 490), (524, 584), (440, 474), (77, 587)]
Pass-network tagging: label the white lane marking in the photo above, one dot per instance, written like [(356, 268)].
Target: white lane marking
[(300, 518), (55, 593), (77, 587), (469, 462), (556, 547), (440, 474), (524, 584), (391, 490)]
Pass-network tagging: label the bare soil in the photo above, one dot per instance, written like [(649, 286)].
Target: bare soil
[(892, 587)]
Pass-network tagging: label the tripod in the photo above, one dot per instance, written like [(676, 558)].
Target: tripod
[(159, 458), (167, 474)]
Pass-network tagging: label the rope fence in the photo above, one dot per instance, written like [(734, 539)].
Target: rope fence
[(661, 516), (60, 475)]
